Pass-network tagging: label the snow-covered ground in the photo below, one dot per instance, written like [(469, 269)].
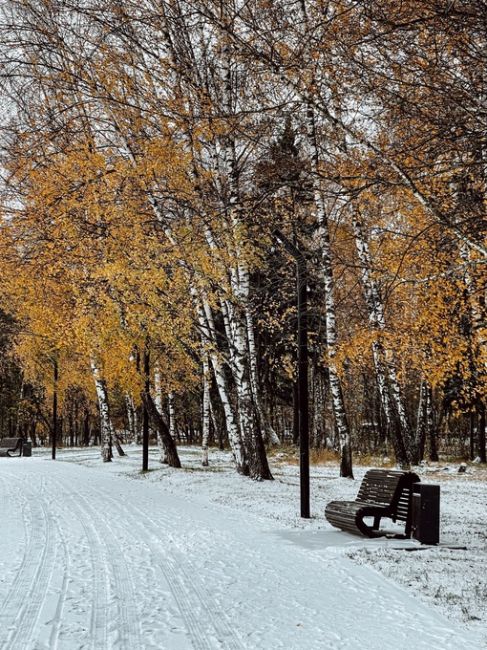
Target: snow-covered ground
[(101, 556)]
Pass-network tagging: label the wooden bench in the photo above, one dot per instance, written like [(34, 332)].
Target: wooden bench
[(382, 493), (8, 446)]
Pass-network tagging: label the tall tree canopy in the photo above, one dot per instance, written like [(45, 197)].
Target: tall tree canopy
[(149, 151)]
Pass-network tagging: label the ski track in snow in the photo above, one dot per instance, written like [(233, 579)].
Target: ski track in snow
[(191, 596), (53, 643), (125, 625), (99, 594), (22, 605), (114, 563)]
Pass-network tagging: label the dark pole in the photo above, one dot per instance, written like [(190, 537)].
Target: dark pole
[(481, 436), (303, 385), (472, 435), (54, 411), (145, 420), (303, 406)]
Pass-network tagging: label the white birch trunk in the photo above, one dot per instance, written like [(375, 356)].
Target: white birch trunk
[(131, 416), (248, 410), (103, 405), (398, 400), (477, 306), (129, 405), (330, 309), (205, 410), (207, 327), (319, 433), (240, 346), (421, 409), (172, 415), (421, 421), (236, 330), (158, 401), (387, 380), (136, 424)]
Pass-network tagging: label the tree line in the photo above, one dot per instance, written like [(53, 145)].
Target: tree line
[(149, 152)]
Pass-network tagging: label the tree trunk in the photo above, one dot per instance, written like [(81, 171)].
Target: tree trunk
[(268, 431), (86, 430), (323, 234), (131, 417), (104, 407), (250, 416), (387, 382), (254, 444), (172, 457), (33, 436), (421, 425), (209, 339), (159, 405), (481, 433), (71, 428), (472, 421), (117, 442), (205, 410), (172, 415)]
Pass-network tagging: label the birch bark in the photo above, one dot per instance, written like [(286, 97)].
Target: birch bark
[(421, 424), (104, 407), (323, 235), (386, 374), (205, 410), (172, 415), (131, 417), (250, 421), (159, 405), (209, 341)]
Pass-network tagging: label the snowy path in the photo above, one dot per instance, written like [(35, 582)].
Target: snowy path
[(93, 560)]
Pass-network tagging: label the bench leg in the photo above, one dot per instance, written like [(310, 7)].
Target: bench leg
[(409, 525), (376, 525)]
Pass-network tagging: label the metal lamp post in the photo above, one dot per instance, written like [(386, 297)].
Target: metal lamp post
[(303, 401), (54, 408)]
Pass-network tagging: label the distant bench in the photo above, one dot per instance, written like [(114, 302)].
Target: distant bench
[(8, 446), (382, 493)]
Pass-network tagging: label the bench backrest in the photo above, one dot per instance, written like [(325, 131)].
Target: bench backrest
[(389, 488), (10, 443)]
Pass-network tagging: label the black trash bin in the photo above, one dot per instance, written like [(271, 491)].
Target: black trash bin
[(426, 513), (27, 449)]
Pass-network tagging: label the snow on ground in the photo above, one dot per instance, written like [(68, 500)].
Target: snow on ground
[(101, 556)]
